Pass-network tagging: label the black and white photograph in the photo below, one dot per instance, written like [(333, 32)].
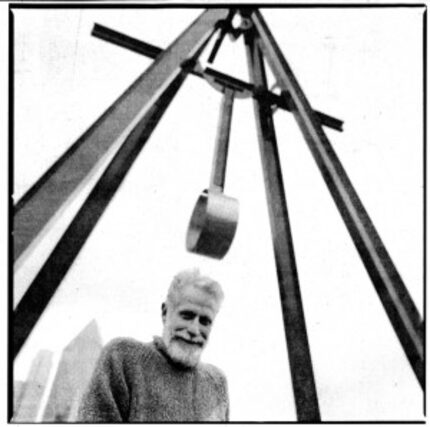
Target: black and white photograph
[(216, 212)]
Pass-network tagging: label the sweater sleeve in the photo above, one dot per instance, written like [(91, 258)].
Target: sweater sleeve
[(107, 396), (226, 398), (220, 382)]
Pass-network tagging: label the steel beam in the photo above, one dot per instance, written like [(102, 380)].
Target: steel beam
[(305, 393), (388, 284), (152, 51), (155, 90), (219, 164), (34, 210)]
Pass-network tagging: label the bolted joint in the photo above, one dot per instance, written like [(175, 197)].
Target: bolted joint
[(263, 96), (189, 64), (288, 100), (244, 26)]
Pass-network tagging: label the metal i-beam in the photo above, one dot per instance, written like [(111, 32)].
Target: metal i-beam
[(219, 165), (388, 284), (34, 210), (152, 51), (161, 82), (305, 393)]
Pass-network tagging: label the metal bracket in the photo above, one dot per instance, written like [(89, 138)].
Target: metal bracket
[(243, 89)]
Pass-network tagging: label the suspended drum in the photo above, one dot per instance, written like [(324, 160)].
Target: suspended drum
[(214, 219)]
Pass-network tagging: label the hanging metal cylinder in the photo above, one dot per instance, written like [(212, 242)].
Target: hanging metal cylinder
[(215, 216)]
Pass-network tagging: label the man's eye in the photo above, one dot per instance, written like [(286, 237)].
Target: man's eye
[(205, 321), (187, 315)]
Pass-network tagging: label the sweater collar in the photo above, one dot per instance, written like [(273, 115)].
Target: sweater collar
[(160, 345)]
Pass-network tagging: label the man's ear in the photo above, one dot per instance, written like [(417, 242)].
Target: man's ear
[(163, 311)]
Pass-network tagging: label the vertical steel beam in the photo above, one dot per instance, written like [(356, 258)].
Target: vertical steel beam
[(219, 164), (161, 92), (292, 310), (53, 189), (392, 292)]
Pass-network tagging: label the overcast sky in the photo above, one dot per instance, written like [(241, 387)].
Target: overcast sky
[(363, 66)]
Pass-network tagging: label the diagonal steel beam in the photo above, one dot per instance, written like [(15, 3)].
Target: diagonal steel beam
[(299, 356), (248, 89), (34, 210), (395, 298), (161, 82)]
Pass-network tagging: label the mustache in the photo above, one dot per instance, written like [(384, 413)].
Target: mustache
[(198, 343)]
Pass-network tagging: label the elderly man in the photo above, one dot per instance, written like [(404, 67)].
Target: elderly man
[(163, 380)]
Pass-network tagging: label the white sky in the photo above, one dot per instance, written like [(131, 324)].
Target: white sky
[(363, 66)]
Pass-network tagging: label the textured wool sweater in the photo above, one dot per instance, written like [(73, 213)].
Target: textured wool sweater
[(135, 382)]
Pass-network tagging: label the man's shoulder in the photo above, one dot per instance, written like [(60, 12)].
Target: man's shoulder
[(124, 346), (217, 380), (212, 371)]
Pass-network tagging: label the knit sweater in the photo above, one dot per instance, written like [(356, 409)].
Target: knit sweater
[(135, 382)]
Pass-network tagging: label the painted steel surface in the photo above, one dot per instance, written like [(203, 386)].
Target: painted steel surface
[(299, 356), (214, 219), (395, 298), (160, 84), (53, 190), (216, 78), (213, 224)]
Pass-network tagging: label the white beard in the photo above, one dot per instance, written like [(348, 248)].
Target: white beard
[(183, 354)]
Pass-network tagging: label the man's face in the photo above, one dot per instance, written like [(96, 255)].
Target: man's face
[(187, 326)]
